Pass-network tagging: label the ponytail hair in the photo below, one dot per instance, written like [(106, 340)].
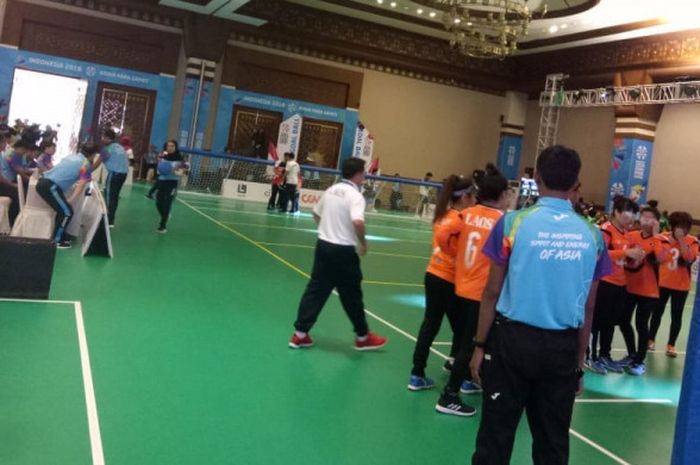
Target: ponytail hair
[(490, 183), (622, 204), (453, 189)]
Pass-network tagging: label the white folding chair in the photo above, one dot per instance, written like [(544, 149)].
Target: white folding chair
[(36, 218), (20, 192), (5, 203), (76, 223)]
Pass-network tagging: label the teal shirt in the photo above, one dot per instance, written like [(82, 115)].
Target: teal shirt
[(114, 158), (553, 255)]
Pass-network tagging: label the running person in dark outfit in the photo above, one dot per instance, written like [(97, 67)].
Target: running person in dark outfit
[(170, 169)]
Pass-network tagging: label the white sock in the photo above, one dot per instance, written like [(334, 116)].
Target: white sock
[(300, 335), (363, 338)]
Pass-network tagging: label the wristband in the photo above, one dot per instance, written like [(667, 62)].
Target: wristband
[(479, 344)]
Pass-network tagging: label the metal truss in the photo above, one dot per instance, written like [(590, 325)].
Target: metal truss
[(649, 94)]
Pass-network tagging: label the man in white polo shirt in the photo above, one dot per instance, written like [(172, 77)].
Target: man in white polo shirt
[(291, 180), (341, 218)]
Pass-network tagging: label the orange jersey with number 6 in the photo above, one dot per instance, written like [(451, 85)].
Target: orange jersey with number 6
[(473, 266)]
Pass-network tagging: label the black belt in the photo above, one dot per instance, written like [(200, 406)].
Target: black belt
[(503, 320)]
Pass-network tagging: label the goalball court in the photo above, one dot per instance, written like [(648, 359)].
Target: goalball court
[(185, 344)]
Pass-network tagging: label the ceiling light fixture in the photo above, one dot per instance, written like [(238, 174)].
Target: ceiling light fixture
[(380, 1), (553, 29), (392, 4), (484, 28), (419, 11), (432, 14)]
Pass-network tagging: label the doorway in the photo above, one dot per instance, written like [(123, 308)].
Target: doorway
[(130, 111), (50, 99), (243, 139), (320, 143)]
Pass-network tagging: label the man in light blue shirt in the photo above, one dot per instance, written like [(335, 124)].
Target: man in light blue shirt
[(61, 186), (535, 317), (116, 161)]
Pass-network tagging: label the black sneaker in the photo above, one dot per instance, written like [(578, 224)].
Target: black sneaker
[(453, 405), (162, 230), (64, 245), (449, 364), (149, 196)]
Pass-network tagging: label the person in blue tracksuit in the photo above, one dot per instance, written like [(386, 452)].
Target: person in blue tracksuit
[(114, 157), (169, 171), (62, 184)]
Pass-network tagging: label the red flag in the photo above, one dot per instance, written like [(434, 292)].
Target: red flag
[(374, 167), (272, 152)]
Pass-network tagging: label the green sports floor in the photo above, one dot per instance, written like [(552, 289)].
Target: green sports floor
[(175, 352)]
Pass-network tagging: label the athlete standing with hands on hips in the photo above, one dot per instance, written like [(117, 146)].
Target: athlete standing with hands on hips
[(535, 317)]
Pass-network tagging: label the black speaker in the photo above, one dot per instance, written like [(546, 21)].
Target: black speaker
[(26, 267)]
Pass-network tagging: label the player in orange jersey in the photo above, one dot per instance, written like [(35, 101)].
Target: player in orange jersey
[(642, 286), (457, 194), (472, 272), (610, 300), (674, 277)]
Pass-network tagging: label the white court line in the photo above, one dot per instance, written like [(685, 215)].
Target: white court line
[(442, 343), (37, 301), (409, 336), (273, 215), (657, 351), (598, 447), (624, 401), (90, 402)]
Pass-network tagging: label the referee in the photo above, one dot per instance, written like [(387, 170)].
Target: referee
[(535, 317), (340, 216)]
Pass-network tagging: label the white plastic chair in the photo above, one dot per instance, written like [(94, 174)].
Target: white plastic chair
[(5, 203), (76, 223), (20, 192), (36, 218)]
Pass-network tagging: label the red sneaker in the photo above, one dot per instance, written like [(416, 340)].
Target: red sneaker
[(300, 342), (373, 342)]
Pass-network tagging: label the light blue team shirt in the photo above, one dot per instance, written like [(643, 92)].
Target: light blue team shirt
[(6, 170), (69, 171), (553, 256), (114, 158)]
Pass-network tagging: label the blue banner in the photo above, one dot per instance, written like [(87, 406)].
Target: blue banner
[(229, 97), (686, 446), (509, 150), (93, 73), (630, 170), (188, 103)]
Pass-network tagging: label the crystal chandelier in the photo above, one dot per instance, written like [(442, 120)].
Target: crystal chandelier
[(484, 28)]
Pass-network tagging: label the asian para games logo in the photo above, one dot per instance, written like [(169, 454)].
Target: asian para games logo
[(617, 189)]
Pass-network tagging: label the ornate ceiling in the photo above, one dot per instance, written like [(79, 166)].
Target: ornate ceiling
[(589, 39)]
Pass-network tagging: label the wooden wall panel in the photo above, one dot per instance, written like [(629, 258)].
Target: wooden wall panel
[(44, 30), (291, 78)]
